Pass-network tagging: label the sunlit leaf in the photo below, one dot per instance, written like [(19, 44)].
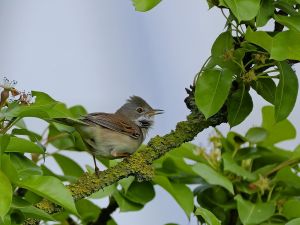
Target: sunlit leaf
[(266, 10), (208, 216), (277, 132), (144, 5), (50, 188), (6, 194), (22, 145), (291, 22)]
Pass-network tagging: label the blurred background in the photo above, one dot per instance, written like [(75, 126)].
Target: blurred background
[(98, 53)]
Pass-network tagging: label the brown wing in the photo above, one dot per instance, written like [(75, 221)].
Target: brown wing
[(113, 122)]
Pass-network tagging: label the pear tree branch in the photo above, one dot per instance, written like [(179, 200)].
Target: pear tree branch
[(140, 163)]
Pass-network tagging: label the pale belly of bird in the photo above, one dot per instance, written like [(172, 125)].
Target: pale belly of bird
[(107, 143)]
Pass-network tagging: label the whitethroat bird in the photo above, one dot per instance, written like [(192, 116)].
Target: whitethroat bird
[(119, 134)]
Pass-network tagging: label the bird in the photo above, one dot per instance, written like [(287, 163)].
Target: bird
[(116, 135)]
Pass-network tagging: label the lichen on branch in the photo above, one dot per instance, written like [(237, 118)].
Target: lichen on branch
[(139, 164)]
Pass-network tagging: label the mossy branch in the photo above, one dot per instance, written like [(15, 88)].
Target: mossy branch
[(140, 163)]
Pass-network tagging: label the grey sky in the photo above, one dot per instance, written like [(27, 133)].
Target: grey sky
[(97, 53)]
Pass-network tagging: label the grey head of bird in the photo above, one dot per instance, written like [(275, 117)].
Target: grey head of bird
[(139, 111)]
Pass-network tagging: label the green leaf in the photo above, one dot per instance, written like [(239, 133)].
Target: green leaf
[(32, 135), (22, 145), (140, 192), (260, 38), (266, 11), (68, 166), (266, 88), (180, 192), (106, 191), (209, 217), (213, 177), (243, 9), (8, 168), (239, 106), (87, 210), (24, 166), (78, 111), (232, 166), (144, 5), (291, 22), (6, 194), (277, 132), (291, 208), (294, 222), (212, 89), (286, 91), (224, 54), (4, 141), (256, 134), (288, 177), (254, 213), (28, 210), (286, 45), (50, 188), (125, 204), (126, 182)]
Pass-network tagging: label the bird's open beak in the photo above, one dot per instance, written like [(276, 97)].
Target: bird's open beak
[(155, 112)]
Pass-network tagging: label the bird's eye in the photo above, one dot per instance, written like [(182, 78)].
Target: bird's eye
[(139, 109)]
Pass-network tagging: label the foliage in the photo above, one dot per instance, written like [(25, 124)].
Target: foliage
[(239, 179)]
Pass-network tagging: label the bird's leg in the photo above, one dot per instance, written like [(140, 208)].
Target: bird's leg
[(96, 167)]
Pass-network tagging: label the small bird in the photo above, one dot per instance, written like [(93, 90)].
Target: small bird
[(119, 134)]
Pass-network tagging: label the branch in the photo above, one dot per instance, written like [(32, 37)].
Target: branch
[(105, 214), (139, 164)]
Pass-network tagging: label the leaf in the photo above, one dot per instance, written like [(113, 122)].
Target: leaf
[(286, 91), (266, 88), (24, 166), (286, 45), (140, 192), (222, 44), (32, 135), (256, 134), (239, 106), (78, 111), (180, 192), (291, 208), (213, 177), (212, 89), (291, 22), (254, 213), (125, 204), (144, 5), (243, 9), (266, 11), (22, 145), (126, 182), (232, 166), (68, 166), (294, 222), (260, 38), (50, 188), (277, 132), (106, 191), (87, 210), (6, 194), (288, 177), (8, 168), (4, 141), (28, 210), (209, 217)]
